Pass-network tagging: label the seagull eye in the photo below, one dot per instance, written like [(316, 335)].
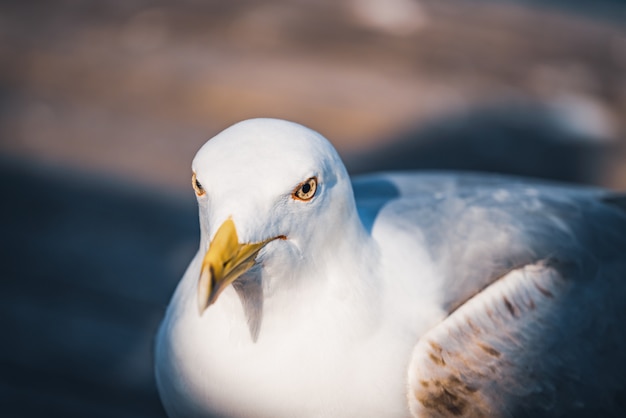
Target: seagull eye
[(306, 190), (197, 187)]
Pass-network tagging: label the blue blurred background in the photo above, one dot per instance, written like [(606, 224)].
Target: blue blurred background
[(103, 105)]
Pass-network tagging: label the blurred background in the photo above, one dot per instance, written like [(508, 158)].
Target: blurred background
[(104, 104)]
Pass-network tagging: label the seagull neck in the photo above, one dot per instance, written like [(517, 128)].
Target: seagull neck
[(349, 257), (351, 245)]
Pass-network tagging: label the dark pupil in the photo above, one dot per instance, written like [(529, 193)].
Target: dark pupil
[(198, 185), (306, 188)]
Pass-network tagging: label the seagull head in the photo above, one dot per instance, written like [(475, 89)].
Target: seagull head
[(269, 192)]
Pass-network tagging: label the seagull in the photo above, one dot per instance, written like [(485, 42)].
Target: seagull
[(398, 294)]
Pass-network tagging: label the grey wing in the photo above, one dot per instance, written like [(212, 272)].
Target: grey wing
[(477, 228), (535, 279), (536, 295)]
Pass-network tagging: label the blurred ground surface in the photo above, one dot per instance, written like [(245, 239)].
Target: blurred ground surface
[(103, 105), (87, 270)]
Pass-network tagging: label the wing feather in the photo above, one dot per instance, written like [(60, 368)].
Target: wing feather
[(535, 279), (531, 344)]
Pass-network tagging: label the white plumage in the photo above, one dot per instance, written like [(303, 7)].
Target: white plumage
[(392, 295)]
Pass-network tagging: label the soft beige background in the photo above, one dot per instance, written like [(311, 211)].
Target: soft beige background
[(134, 88)]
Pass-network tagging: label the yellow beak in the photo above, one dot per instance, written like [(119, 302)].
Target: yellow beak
[(225, 261)]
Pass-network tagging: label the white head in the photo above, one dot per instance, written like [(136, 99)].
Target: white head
[(270, 192)]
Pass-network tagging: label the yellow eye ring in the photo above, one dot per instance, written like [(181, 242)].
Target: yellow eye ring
[(197, 187), (305, 190)]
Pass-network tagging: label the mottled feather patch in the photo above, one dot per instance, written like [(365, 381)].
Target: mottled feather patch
[(437, 359), (460, 385), (544, 291), (510, 307), (435, 346), (445, 401), (473, 326), (448, 396), (437, 355), (489, 313), (489, 350)]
